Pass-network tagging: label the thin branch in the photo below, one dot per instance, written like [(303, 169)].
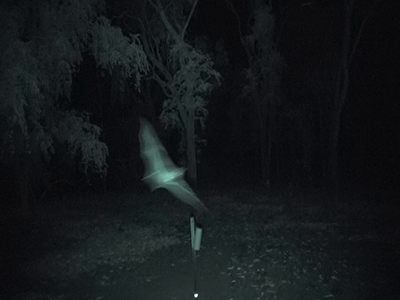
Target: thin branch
[(162, 84), (150, 50), (188, 19), (364, 21), (239, 25), (167, 24)]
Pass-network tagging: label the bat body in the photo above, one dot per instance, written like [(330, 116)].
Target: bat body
[(160, 171)]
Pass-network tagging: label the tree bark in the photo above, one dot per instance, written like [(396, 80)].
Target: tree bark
[(264, 152), (191, 152)]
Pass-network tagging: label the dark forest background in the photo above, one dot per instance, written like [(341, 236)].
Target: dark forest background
[(73, 88)]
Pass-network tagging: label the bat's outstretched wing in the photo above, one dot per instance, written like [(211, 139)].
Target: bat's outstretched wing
[(181, 190), (160, 171), (159, 168)]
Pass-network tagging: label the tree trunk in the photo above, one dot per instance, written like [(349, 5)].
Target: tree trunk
[(341, 92), (261, 116), (334, 150), (263, 153), (191, 152), (272, 112)]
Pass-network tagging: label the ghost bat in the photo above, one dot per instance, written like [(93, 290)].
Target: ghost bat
[(161, 172)]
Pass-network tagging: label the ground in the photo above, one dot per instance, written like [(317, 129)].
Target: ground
[(255, 245)]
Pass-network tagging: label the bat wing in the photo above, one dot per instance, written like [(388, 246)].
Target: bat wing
[(160, 171), (159, 168), (181, 190)]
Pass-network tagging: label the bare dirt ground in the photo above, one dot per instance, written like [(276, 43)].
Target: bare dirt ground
[(254, 246)]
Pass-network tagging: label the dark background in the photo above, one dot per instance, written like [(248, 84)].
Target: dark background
[(309, 39), (370, 137)]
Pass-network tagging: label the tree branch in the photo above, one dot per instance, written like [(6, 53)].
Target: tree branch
[(188, 19), (167, 24), (239, 25), (364, 21)]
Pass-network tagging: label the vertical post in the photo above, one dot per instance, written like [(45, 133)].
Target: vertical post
[(193, 241)]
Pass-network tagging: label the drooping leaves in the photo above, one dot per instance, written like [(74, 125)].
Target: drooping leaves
[(41, 47)]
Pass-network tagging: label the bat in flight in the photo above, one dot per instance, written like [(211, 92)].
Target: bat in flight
[(161, 172)]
